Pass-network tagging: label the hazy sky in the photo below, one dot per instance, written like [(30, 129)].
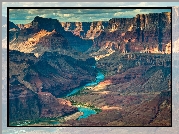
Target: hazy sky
[(77, 15), (26, 16)]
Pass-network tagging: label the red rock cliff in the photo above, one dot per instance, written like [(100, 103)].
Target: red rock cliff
[(150, 32)]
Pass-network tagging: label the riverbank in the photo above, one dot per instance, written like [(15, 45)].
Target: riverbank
[(100, 77), (85, 109)]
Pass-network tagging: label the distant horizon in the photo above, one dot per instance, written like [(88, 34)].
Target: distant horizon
[(25, 16)]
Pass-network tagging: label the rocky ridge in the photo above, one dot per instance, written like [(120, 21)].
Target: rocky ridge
[(146, 32), (36, 82), (86, 30), (49, 25), (137, 86), (40, 42)]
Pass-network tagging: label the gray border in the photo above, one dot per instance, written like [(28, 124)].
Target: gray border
[(1, 75), (107, 130), (92, 1)]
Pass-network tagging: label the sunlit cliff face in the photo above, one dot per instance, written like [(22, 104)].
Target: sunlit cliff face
[(37, 43), (168, 48), (29, 44)]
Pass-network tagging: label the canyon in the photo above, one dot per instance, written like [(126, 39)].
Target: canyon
[(49, 58), (145, 32), (135, 95)]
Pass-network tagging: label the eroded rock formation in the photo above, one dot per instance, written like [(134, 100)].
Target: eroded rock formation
[(150, 32), (36, 82), (39, 42), (86, 30), (138, 95), (48, 24)]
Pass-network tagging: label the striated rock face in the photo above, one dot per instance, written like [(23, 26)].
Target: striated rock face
[(24, 26), (39, 42), (52, 107), (36, 82), (38, 37), (158, 112), (48, 24), (86, 30), (95, 29), (112, 66), (52, 72), (77, 28), (59, 74), (24, 104), (145, 32), (164, 99)]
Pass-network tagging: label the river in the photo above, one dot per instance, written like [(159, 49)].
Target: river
[(87, 111), (99, 78)]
